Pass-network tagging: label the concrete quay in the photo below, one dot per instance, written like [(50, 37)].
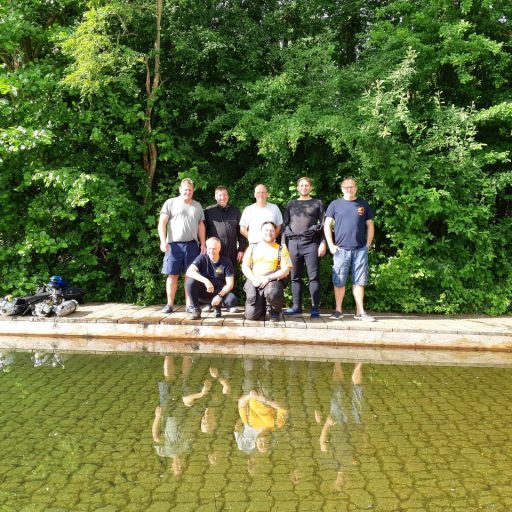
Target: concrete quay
[(405, 338)]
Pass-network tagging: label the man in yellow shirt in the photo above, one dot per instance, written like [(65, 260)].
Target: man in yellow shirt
[(260, 416), (265, 264)]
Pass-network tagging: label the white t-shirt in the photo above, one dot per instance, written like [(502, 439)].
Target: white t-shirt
[(254, 216)]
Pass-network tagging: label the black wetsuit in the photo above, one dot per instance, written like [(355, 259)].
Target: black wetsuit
[(303, 232), (224, 223)]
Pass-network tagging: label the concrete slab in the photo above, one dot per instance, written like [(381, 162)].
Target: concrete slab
[(125, 327)]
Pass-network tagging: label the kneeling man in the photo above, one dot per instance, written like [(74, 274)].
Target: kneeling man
[(265, 264), (211, 279)]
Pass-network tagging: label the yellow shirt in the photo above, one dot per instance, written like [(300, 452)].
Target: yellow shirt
[(262, 258), (259, 415)]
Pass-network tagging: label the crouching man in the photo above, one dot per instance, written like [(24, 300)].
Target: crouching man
[(265, 265), (211, 279)]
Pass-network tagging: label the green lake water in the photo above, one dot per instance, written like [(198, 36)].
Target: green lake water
[(81, 435)]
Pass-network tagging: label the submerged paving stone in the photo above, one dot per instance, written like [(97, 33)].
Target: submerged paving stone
[(409, 452), (158, 506)]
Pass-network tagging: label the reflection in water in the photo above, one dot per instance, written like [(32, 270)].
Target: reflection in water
[(6, 361), (260, 415), (306, 436), (170, 416), (338, 450), (182, 410), (48, 360)]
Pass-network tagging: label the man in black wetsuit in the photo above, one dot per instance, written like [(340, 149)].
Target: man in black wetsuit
[(303, 235), (222, 221)]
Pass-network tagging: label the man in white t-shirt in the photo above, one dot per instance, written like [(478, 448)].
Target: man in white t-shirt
[(257, 213)]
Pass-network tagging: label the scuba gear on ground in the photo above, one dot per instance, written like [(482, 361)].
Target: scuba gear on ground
[(66, 308), (22, 305), (73, 293), (45, 301), (58, 283), (60, 294), (7, 306), (48, 307), (44, 308)]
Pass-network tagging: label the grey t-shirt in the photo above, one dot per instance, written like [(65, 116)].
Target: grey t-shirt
[(183, 219)]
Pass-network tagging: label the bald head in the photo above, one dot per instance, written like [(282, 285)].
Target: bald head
[(261, 195)]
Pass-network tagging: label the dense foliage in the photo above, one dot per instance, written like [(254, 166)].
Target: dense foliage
[(412, 98)]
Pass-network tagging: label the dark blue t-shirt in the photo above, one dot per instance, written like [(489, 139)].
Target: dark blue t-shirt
[(215, 272), (350, 222)]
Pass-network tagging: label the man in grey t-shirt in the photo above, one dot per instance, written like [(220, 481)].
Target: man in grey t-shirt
[(182, 237)]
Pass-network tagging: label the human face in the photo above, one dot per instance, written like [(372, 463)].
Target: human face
[(186, 192), (263, 442), (222, 198), (304, 188), (268, 233), (349, 189), (261, 195), (213, 249)]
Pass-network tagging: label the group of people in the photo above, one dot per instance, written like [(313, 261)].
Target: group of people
[(277, 403), (207, 245)]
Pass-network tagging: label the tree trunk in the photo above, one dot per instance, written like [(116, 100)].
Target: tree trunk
[(150, 154)]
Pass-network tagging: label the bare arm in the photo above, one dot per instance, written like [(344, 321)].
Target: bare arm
[(254, 395), (279, 273), (322, 249), (248, 273), (329, 221), (189, 400), (244, 400), (370, 232), (244, 231), (226, 386), (201, 233), (230, 283), (324, 435), (162, 231), (155, 428), (193, 272)]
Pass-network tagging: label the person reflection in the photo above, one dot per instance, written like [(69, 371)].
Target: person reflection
[(175, 398), (214, 412), (339, 455), (259, 416), (217, 394)]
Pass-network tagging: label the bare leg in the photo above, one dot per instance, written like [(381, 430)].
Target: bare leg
[(169, 367), (171, 285), (337, 373), (185, 365), (339, 294), (357, 374), (187, 299), (358, 292)]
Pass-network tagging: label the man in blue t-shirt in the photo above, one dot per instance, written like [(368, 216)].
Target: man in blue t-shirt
[(353, 235), (211, 279)]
